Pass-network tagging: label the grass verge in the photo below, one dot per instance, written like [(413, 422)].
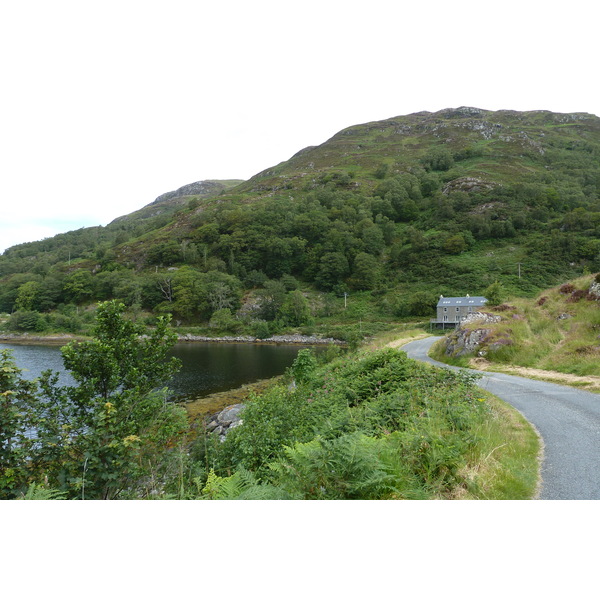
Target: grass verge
[(506, 463)]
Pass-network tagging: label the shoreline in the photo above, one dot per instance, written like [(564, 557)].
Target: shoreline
[(65, 338)]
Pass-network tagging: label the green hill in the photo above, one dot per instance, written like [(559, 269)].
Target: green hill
[(393, 212)]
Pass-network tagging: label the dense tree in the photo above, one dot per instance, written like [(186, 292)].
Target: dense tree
[(366, 272), (295, 310), (334, 268), (111, 432)]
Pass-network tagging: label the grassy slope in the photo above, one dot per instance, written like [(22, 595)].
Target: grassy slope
[(542, 339)]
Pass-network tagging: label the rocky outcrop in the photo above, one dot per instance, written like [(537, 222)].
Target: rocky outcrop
[(198, 188), (594, 289), (472, 336), (465, 341), (221, 422), (468, 184)]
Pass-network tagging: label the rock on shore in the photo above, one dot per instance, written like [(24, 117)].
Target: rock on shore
[(229, 418)]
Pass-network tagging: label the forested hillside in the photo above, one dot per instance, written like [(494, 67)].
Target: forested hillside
[(394, 212)]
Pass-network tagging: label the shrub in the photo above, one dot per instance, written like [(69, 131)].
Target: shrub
[(261, 330), (304, 365), (566, 288), (29, 320), (223, 320), (338, 433)]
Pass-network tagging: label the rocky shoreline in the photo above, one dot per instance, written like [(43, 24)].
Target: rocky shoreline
[(27, 338), (306, 340)]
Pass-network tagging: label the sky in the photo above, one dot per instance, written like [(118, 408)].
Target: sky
[(107, 105)]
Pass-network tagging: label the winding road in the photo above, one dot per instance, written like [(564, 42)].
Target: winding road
[(568, 420)]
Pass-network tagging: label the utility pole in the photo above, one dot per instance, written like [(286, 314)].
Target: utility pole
[(519, 265), (345, 296)]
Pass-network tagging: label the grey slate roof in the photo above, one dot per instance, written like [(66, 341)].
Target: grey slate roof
[(462, 301)]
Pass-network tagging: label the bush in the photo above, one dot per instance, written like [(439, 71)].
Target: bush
[(304, 365), (494, 294), (261, 330), (363, 426), (60, 322), (223, 320), (29, 320)]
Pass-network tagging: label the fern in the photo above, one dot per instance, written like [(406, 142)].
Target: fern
[(344, 468), (228, 488), (39, 492)]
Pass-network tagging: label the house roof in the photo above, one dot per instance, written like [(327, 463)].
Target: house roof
[(462, 301)]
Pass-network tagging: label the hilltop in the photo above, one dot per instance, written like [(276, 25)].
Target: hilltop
[(393, 212), (169, 202)]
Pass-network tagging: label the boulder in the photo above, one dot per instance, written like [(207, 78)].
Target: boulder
[(595, 289), (465, 341), (230, 414)]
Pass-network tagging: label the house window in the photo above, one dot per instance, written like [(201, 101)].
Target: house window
[(457, 308), (445, 317), (470, 309), (445, 309)]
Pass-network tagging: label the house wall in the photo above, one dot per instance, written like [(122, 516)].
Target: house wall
[(455, 313)]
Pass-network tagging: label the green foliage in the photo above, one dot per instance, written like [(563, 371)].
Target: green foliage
[(27, 295), (495, 294), (438, 159), (422, 303), (261, 330), (30, 320), (344, 468), (40, 492), (17, 396), (333, 269), (304, 365), (223, 320), (109, 434), (366, 273), (363, 426), (295, 310)]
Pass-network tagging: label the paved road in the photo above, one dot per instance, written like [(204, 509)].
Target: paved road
[(568, 420)]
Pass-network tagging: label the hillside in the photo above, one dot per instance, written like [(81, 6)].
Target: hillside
[(393, 212), (557, 331)]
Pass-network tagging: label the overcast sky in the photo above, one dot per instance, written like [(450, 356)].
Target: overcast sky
[(106, 105)]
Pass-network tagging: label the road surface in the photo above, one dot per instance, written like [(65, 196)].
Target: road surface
[(568, 420)]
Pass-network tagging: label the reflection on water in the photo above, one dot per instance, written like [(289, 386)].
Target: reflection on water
[(206, 367)]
